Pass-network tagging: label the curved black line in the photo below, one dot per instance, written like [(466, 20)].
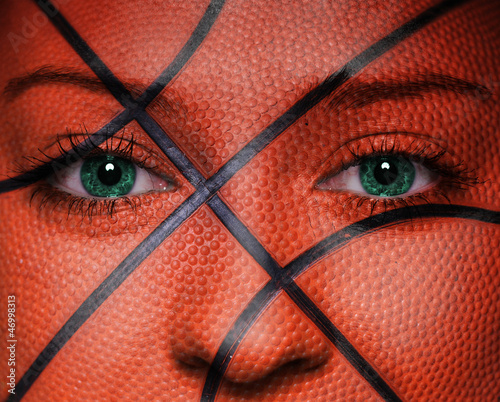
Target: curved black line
[(113, 84), (199, 34), (244, 237), (234, 337), (169, 148), (386, 219), (306, 260)]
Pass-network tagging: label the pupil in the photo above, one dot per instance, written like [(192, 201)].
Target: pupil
[(109, 174), (386, 173)]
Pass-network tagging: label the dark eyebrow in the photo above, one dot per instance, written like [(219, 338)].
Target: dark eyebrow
[(66, 75), (357, 93), (354, 94)]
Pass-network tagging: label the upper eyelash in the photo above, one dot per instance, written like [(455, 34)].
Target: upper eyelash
[(457, 174), (84, 149)]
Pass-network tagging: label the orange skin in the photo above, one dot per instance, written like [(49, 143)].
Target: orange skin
[(418, 300)]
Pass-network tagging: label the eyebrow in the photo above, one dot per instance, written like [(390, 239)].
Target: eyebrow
[(356, 93), (69, 76)]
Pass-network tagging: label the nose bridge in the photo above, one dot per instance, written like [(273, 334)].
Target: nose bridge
[(212, 279)]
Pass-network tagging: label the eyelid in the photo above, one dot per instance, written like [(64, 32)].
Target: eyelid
[(417, 148), (348, 180), (127, 146)]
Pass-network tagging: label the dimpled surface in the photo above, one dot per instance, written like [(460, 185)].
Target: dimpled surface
[(167, 319), (283, 337), (250, 71), (418, 300), (430, 329)]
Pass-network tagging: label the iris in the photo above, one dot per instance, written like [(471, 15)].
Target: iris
[(386, 176), (107, 176)]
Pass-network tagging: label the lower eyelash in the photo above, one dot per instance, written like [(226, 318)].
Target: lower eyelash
[(46, 196), (413, 200)]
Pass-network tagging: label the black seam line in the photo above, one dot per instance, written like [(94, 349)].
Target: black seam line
[(198, 35), (331, 244), (113, 84), (387, 219), (170, 149), (232, 340), (335, 336), (279, 280), (244, 237), (148, 124)]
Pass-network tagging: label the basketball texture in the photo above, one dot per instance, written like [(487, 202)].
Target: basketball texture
[(251, 270)]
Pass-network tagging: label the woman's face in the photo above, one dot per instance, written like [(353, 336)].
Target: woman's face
[(250, 200)]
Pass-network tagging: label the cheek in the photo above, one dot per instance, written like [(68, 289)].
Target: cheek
[(420, 302), (53, 261)]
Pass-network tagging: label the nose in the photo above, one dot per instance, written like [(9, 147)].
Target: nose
[(281, 337)]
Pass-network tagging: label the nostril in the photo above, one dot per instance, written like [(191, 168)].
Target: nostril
[(250, 372), (245, 370), (193, 361), (190, 350)]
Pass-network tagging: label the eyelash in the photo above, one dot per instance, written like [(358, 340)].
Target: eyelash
[(45, 195), (454, 176)]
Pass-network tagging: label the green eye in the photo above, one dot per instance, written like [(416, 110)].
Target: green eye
[(108, 176), (386, 176)]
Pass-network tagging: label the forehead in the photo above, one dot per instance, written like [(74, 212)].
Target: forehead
[(301, 41), (301, 38), (243, 64)]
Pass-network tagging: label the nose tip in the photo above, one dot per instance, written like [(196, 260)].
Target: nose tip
[(281, 336)]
